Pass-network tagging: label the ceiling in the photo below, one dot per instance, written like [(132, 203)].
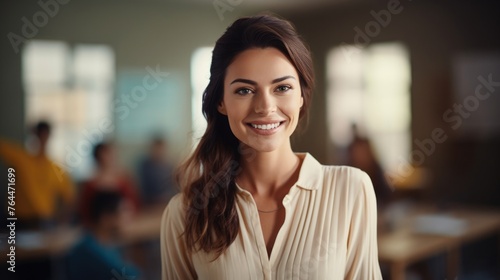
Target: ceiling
[(261, 4)]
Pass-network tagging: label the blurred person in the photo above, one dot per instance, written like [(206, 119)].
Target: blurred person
[(40, 183), (362, 156), (96, 255), (250, 207), (157, 188), (108, 176), (156, 174)]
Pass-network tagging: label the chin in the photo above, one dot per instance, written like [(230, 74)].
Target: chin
[(263, 147)]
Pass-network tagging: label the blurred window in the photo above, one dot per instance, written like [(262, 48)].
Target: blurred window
[(200, 76), (71, 86), (370, 87)]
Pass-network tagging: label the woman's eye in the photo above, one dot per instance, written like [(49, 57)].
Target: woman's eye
[(243, 91), (283, 88)]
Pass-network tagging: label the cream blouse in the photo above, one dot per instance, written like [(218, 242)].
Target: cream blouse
[(329, 232)]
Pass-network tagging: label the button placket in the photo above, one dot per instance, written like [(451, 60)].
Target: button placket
[(279, 242), (257, 233)]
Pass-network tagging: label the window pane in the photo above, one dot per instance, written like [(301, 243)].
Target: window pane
[(200, 76), (93, 65), (72, 89), (45, 63), (370, 87)]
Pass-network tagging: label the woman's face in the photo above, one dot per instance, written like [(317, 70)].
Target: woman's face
[(262, 98)]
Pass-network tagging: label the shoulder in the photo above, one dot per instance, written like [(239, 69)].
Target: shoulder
[(174, 213), (14, 147), (176, 204), (88, 248), (348, 183), (314, 175), (345, 176), (88, 259), (331, 179)]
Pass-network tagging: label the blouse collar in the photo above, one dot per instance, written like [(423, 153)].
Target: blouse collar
[(310, 172)]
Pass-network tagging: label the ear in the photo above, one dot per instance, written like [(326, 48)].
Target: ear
[(301, 102), (222, 108)]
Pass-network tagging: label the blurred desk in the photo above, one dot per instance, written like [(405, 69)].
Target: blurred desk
[(145, 226), (37, 244), (402, 247)]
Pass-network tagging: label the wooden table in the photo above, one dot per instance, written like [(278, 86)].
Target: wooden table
[(33, 244), (146, 226), (402, 247)]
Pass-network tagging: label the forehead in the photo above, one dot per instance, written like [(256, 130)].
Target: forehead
[(261, 65)]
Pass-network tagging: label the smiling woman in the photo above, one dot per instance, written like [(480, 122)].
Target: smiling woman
[(251, 208), (257, 106)]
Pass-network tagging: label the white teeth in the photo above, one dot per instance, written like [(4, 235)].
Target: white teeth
[(266, 126)]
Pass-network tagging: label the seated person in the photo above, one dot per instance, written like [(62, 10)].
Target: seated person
[(108, 177), (156, 174), (40, 183), (362, 156), (96, 255)]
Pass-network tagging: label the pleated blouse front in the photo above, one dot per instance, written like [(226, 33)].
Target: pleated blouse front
[(329, 232)]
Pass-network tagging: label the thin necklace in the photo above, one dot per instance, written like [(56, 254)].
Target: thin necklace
[(270, 211)]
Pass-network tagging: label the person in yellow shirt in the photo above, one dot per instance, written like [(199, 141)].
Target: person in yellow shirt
[(40, 183)]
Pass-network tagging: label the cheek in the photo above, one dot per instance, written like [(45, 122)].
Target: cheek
[(292, 108), (235, 115), (237, 108), (235, 112)]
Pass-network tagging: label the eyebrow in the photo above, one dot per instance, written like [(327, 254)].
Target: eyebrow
[(277, 80)]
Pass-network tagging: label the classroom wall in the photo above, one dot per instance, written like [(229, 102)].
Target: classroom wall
[(146, 34), (463, 168)]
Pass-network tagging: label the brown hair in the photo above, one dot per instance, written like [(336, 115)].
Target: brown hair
[(207, 176)]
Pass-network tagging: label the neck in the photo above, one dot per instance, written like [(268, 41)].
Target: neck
[(41, 150), (106, 169), (265, 173)]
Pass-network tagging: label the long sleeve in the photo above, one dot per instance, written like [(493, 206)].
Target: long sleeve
[(362, 252), (176, 260), (40, 182), (64, 183), (13, 154)]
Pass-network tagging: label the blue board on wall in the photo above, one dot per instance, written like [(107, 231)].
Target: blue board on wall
[(145, 106)]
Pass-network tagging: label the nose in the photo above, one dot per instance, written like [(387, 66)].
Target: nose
[(264, 103)]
